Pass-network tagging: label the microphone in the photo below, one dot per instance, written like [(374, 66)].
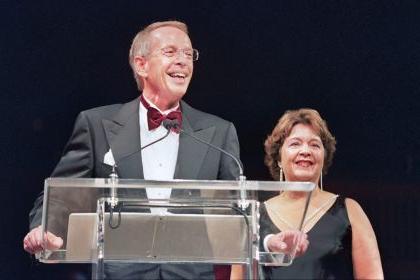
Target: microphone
[(174, 124), (170, 124), (115, 205)]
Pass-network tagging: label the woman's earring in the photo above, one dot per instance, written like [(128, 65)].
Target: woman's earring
[(320, 183), (280, 173)]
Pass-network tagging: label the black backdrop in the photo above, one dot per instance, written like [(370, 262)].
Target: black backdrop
[(356, 62)]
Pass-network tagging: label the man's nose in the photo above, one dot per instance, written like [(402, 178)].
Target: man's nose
[(180, 60), (181, 57)]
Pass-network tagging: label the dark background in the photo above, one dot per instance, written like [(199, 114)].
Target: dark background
[(356, 62)]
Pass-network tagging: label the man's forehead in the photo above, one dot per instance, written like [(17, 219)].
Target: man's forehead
[(169, 35)]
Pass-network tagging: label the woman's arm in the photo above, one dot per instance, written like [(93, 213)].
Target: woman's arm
[(365, 252)]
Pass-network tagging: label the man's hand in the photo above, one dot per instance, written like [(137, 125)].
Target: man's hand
[(285, 241), (32, 243)]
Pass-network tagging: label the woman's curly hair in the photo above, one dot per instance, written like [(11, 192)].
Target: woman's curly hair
[(281, 131)]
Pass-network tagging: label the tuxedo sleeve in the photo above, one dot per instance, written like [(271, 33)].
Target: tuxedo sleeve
[(229, 169), (76, 161)]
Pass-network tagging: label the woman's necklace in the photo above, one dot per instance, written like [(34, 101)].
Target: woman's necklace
[(307, 218)]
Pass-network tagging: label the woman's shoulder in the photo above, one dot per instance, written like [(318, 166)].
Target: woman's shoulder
[(351, 204), (355, 211)]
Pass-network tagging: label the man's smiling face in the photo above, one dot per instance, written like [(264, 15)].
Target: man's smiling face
[(167, 77)]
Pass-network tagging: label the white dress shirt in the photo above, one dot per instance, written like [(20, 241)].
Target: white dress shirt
[(159, 159)]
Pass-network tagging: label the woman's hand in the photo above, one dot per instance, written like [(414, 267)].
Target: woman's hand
[(286, 241)]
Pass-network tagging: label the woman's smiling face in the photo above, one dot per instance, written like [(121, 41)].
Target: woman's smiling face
[(302, 155)]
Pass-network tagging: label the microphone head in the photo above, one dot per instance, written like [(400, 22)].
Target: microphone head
[(170, 124), (167, 124)]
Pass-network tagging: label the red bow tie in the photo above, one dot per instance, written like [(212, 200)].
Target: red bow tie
[(155, 118)]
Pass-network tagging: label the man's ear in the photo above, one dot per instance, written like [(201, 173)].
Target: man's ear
[(140, 66)]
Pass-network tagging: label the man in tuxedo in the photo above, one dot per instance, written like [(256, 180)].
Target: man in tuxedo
[(162, 58)]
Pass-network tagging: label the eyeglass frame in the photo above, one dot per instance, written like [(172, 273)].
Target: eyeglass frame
[(178, 51)]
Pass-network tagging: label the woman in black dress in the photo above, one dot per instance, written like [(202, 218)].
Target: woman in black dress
[(342, 243)]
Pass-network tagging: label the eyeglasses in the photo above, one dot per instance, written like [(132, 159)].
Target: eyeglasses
[(190, 54)]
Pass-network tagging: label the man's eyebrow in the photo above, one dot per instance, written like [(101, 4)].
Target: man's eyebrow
[(169, 46)]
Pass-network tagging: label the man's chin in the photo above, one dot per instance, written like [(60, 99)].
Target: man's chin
[(178, 92)]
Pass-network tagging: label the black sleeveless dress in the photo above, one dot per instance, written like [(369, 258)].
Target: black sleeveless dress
[(329, 253)]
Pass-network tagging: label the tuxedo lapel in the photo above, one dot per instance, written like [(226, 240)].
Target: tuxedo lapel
[(191, 153), (123, 135)]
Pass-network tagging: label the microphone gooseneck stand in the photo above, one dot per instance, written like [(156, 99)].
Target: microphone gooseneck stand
[(116, 206)]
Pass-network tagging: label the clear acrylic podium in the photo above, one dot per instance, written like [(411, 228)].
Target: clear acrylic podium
[(111, 220)]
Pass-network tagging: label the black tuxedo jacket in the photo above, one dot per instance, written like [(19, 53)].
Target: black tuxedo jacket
[(116, 127)]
